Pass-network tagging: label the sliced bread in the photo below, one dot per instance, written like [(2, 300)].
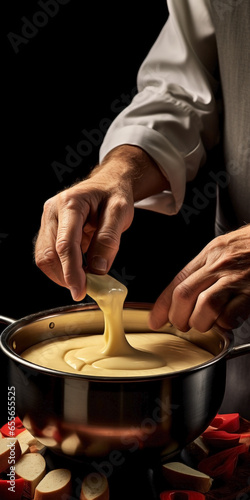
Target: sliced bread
[(25, 438), (179, 475), (95, 487), (10, 452), (32, 468), (54, 485)]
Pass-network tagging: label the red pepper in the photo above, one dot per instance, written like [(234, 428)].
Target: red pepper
[(11, 490), (181, 495), (221, 439), (222, 464), (229, 422), (224, 439), (13, 426)]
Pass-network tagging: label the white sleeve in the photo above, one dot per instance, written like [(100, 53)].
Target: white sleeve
[(174, 116)]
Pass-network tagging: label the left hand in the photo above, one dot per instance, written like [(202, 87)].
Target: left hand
[(213, 288)]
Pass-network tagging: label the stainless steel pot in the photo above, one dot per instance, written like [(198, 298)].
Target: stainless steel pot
[(98, 416)]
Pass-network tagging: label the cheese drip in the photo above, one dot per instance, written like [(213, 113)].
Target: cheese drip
[(113, 353), (117, 353)]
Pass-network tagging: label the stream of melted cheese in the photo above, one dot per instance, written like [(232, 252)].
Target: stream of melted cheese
[(115, 354)]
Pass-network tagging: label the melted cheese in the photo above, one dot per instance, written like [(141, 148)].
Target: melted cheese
[(113, 353), (62, 355)]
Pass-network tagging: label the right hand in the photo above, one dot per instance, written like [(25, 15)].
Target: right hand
[(88, 217)]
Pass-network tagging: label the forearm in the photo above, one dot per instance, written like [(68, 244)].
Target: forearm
[(134, 167), (174, 116)]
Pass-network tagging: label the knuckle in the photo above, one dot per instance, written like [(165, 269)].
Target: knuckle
[(47, 204), (45, 259), (211, 300), (119, 204), (120, 208), (48, 208), (109, 238), (68, 200), (73, 202), (63, 247), (182, 292)]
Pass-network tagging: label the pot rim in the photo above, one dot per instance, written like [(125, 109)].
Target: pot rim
[(5, 336)]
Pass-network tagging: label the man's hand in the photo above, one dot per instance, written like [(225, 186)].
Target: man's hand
[(90, 217), (213, 288)]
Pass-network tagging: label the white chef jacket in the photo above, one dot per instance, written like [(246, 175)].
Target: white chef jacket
[(194, 92), (200, 61)]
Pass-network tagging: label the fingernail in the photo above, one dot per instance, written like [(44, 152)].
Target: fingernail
[(99, 263), (75, 293)]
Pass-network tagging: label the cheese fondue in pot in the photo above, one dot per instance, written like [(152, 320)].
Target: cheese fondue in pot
[(115, 353)]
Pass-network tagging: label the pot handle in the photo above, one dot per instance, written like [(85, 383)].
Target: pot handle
[(6, 320), (238, 350)]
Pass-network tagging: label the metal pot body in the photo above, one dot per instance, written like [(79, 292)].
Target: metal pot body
[(97, 417)]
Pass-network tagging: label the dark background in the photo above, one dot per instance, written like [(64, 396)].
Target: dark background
[(74, 72)]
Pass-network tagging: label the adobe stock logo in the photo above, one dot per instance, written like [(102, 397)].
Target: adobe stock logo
[(40, 19)]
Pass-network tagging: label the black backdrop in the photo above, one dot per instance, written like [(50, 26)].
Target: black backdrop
[(71, 66)]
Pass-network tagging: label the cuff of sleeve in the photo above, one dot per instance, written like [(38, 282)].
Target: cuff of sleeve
[(171, 163)]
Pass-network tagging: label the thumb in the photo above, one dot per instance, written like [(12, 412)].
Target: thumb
[(106, 240)]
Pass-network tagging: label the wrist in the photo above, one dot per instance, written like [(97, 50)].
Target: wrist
[(133, 165)]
